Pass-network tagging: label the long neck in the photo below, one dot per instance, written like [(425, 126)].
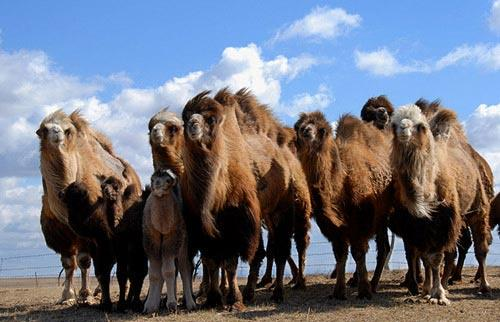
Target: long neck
[(168, 157), (114, 211), (416, 170), (324, 171)]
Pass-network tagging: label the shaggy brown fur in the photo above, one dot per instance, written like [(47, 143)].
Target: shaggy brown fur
[(437, 187), (283, 195), (349, 178), (223, 211), (166, 242), (71, 150), (378, 110)]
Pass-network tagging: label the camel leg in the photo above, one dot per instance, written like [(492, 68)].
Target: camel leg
[(205, 281), (84, 261), (137, 271), (223, 281), (121, 276), (341, 250), (268, 275), (438, 293), (234, 298), (103, 263), (302, 239), (449, 267), (359, 250), (383, 247), (481, 236), (411, 276), (214, 295), (294, 269), (253, 275), (282, 247), (426, 287), (186, 270), (464, 243), (333, 274), (168, 275), (152, 304), (68, 295)]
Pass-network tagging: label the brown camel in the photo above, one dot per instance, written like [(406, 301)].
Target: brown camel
[(438, 189), (349, 178), (378, 110), (71, 150), (282, 191)]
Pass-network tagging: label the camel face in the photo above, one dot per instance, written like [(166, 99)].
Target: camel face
[(377, 110), (157, 134), (56, 130), (165, 128), (202, 117), (111, 188), (410, 126), (195, 127), (312, 129), (162, 181)]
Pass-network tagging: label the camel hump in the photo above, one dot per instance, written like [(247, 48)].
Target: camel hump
[(348, 125)]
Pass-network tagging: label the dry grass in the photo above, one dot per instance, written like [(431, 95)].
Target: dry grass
[(20, 299)]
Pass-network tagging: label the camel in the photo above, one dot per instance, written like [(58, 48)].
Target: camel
[(349, 178), (438, 189), (166, 242), (71, 150), (281, 188), (377, 110)]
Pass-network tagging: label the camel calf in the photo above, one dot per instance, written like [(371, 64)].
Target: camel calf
[(165, 242)]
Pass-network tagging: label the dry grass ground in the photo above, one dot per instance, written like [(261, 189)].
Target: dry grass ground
[(21, 299)]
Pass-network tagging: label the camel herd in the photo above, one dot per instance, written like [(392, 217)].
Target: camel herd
[(227, 169)]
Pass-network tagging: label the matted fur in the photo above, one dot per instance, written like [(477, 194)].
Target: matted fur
[(349, 179)]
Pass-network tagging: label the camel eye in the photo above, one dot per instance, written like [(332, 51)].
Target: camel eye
[(67, 132), (173, 129), (211, 120), (420, 127), (322, 131)]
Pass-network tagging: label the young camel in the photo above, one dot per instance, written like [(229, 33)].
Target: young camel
[(437, 187), (166, 242)]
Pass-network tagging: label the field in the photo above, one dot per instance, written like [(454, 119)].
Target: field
[(22, 299)]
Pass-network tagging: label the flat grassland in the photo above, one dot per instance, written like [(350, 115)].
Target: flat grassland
[(22, 299)]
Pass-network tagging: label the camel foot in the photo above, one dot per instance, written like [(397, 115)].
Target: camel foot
[(277, 296), (266, 280)]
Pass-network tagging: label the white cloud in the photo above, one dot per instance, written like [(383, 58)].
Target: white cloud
[(487, 56), (494, 18), (320, 24), (383, 62), (483, 130), (306, 102)]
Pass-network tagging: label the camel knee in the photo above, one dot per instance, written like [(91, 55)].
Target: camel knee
[(68, 263), (168, 271), (84, 260)]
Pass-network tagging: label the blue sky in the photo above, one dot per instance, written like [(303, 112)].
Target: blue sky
[(121, 62)]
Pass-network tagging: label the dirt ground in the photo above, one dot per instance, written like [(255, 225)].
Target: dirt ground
[(22, 299)]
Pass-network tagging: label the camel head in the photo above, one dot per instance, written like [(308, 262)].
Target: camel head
[(203, 117), (112, 188), (58, 131), (428, 108), (165, 129), (410, 128), (312, 130), (162, 181), (377, 110)]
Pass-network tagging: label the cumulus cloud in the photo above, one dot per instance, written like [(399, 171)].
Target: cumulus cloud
[(483, 130), (321, 23), (383, 62), (494, 17), (305, 102)]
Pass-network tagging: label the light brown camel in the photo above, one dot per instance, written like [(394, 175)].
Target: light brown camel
[(438, 190), (71, 150), (349, 178)]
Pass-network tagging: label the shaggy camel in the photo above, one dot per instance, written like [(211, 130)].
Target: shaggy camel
[(213, 125), (166, 242), (71, 150), (281, 188), (429, 109), (349, 179), (437, 188)]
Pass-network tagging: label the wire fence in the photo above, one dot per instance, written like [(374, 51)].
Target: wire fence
[(320, 260)]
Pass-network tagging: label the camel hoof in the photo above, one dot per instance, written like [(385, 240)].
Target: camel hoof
[(172, 307), (248, 295), (237, 307), (68, 302), (266, 280), (352, 282), (485, 290), (441, 301), (277, 296)]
